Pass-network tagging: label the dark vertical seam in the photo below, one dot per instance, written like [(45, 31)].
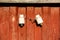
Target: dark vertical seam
[(17, 20), (17, 13), (26, 22), (16, 10)]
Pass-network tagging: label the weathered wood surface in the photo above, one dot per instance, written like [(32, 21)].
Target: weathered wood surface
[(50, 29), (10, 30), (23, 30)]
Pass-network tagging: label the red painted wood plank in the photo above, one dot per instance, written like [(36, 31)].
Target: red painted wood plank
[(4, 23), (13, 29), (54, 23), (30, 24), (10, 30), (38, 35), (50, 29), (59, 23), (46, 24), (22, 31)]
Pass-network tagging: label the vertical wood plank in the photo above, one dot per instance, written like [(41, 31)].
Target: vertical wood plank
[(13, 24), (59, 23), (4, 23), (46, 24), (30, 24), (38, 35), (50, 29), (54, 23), (22, 31)]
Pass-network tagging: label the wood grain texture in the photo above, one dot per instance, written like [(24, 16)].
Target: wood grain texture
[(4, 23), (10, 29), (46, 24), (38, 29), (30, 24), (22, 31), (50, 29), (59, 23), (13, 29), (54, 23)]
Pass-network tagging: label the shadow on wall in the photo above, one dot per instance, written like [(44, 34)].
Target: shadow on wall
[(40, 25)]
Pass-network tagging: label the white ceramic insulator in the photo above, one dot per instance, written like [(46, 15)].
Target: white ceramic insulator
[(39, 19), (21, 19)]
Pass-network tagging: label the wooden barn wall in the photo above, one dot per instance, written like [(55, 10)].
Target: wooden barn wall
[(10, 30)]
